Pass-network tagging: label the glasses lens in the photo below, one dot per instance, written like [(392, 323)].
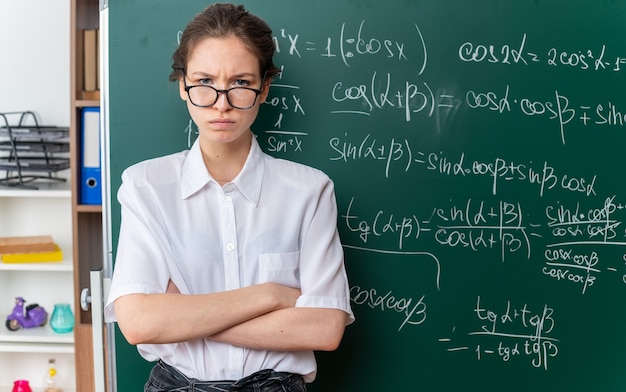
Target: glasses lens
[(241, 98), (238, 97), (202, 95)]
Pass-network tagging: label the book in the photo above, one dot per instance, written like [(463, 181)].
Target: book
[(34, 257), (26, 244), (90, 60)]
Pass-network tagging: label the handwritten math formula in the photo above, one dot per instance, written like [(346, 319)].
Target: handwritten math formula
[(593, 59), (504, 227), (513, 332)]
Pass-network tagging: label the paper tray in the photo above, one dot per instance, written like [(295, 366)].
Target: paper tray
[(34, 132), (36, 164), (51, 147)]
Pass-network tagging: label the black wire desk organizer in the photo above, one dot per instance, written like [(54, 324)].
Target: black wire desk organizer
[(31, 152)]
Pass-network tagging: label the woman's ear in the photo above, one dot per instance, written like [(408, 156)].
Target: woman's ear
[(265, 89), (181, 89)]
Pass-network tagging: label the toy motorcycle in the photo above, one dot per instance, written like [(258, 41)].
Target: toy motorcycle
[(34, 316)]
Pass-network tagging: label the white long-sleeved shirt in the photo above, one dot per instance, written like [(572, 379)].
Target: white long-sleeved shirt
[(275, 222)]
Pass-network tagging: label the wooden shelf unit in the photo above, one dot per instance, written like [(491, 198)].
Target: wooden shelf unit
[(86, 220)]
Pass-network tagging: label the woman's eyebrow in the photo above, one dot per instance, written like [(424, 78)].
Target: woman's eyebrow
[(242, 75), (201, 74)]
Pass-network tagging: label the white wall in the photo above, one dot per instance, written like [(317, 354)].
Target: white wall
[(35, 76), (35, 59)]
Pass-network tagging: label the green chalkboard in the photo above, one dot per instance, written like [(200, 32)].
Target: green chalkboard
[(478, 153)]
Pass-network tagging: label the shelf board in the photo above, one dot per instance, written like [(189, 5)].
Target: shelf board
[(64, 266), (89, 208), (35, 340), (35, 387), (36, 348), (4, 388), (46, 190), (83, 103)]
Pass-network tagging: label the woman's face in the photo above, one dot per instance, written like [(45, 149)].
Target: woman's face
[(222, 63)]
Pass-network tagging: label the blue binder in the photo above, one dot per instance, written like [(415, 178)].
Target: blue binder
[(90, 167)]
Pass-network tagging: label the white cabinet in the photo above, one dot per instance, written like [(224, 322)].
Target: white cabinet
[(24, 353)]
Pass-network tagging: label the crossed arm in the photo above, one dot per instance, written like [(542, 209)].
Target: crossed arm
[(262, 316)]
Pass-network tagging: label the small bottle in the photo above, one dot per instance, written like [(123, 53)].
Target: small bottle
[(50, 380)]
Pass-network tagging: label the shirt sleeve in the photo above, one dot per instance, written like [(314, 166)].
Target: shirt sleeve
[(141, 261), (323, 278)]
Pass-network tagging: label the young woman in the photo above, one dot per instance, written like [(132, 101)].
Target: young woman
[(229, 270)]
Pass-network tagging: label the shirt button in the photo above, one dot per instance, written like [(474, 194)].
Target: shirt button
[(228, 187), (230, 246), (227, 201)]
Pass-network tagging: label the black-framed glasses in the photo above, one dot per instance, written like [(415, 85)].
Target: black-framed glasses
[(202, 96)]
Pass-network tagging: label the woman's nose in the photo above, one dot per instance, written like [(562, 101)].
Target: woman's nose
[(222, 101)]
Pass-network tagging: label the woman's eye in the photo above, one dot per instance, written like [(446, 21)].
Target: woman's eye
[(241, 83), (205, 81)]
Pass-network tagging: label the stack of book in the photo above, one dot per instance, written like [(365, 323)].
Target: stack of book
[(29, 249)]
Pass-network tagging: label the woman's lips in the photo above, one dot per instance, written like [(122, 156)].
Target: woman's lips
[(222, 123)]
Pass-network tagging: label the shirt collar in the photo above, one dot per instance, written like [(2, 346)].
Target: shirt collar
[(195, 176)]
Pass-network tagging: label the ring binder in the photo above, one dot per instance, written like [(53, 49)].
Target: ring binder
[(90, 170)]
